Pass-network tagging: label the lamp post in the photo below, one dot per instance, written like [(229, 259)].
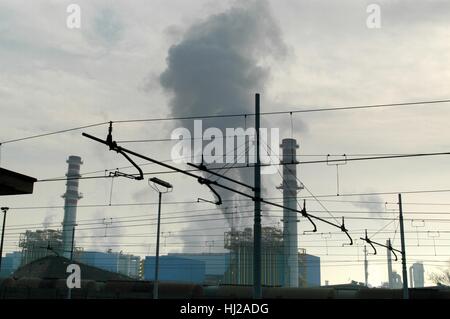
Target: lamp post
[(161, 187), (4, 210)]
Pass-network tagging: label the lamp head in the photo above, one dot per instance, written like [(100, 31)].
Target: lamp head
[(161, 182)]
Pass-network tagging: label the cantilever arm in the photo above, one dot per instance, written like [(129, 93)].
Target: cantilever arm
[(208, 184), (367, 240), (202, 167), (392, 250), (205, 200), (114, 147), (345, 230), (305, 214), (141, 173)]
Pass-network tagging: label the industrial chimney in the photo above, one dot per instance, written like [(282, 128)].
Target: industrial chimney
[(389, 265), (290, 188), (70, 204)]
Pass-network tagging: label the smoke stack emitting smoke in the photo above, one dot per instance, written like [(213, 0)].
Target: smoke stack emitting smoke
[(216, 69)]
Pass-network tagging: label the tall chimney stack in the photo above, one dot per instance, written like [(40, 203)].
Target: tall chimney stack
[(290, 188), (71, 198)]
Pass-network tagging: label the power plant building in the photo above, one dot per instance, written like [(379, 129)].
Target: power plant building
[(216, 265), (309, 269), (49, 242), (125, 264), (240, 244), (175, 269), (39, 244), (10, 263), (240, 269)]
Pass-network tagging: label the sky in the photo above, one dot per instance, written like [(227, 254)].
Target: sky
[(160, 59)]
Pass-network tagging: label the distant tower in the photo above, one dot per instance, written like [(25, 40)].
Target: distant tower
[(70, 203), (416, 275), (290, 188), (389, 264), (366, 268)]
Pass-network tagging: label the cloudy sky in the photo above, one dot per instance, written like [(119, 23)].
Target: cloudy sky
[(159, 59)]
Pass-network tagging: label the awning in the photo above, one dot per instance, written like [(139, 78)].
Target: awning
[(12, 183)]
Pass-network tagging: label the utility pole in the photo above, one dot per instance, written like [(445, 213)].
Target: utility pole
[(69, 293), (4, 210), (73, 241), (402, 237), (366, 268), (257, 292)]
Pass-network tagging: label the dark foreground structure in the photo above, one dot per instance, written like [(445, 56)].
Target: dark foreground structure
[(12, 183), (46, 279)]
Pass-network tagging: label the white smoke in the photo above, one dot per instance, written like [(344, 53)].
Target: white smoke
[(218, 66)]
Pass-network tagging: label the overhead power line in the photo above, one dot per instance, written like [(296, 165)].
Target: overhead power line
[(52, 133), (251, 165), (320, 109), (206, 116)]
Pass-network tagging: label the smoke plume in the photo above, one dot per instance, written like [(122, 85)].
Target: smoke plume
[(371, 203), (218, 66)]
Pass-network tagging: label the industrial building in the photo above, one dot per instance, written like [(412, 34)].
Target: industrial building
[(39, 244), (416, 274), (42, 243), (215, 265), (118, 262), (240, 244), (10, 263), (175, 269), (273, 262), (48, 242), (309, 268)]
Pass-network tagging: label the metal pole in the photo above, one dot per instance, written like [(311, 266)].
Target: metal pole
[(257, 292), (389, 263), (73, 242), (155, 284), (402, 237), (366, 268), (4, 209), (69, 293)]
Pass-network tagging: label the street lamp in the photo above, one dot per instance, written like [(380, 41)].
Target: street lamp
[(4, 210), (161, 187)]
